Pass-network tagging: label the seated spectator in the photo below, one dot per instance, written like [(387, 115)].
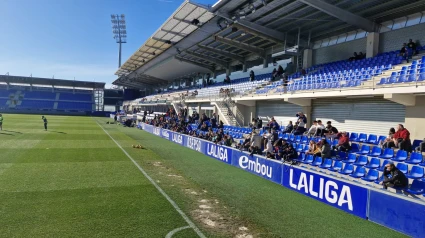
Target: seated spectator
[(421, 147), (313, 129), (412, 46), (361, 56), (320, 128), (220, 125), (288, 128), (385, 143), (227, 80), (246, 144), (251, 76), (313, 149), (295, 127), (397, 178), (325, 149), (253, 124), (404, 52), (227, 140), (280, 71), (270, 155), (274, 74), (259, 123), (355, 56), (290, 154), (343, 142), (401, 139), (331, 131), (213, 122), (204, 127)]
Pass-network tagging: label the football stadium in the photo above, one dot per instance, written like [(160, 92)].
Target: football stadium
[(244, 118)]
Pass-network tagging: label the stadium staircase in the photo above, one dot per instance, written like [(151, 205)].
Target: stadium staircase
[(226, 110)]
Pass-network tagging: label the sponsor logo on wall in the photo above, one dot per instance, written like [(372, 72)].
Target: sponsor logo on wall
[(255, 166), (194, 144), (218, 152), (157, 131), (177, 138)]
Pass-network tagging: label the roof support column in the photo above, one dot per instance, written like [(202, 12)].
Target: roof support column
[(307, 58), (266, 61), (372, 46), (228, 71)]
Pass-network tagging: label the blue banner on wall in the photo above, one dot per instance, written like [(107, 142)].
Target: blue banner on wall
[(268, 169), (218, 152), (348, 197), (177, 138), (195, 144), (399, 214)]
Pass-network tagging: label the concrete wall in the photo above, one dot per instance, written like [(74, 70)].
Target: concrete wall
[(393, 40), (248, 113), (338, 52), (415, 119)]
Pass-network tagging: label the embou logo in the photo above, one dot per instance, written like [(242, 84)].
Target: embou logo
[(255, 166)]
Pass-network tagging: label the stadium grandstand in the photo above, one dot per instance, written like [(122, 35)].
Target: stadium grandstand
[(258, 65), (20, 94)]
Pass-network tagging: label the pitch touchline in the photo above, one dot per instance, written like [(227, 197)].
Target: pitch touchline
[(186, 218)]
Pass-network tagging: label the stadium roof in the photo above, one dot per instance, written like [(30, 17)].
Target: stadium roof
[(244, 30), (50, 82), (179, 25)]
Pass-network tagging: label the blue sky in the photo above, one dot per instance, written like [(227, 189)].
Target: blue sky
[(73, 38)]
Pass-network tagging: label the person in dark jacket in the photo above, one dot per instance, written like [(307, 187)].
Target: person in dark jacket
[(288, 128), (251, 76), (397, 178), (291, 154), (343, 142), (326, 149)]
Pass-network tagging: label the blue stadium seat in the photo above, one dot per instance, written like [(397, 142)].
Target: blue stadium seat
[(402, 167), (354, 136), (358, 172), (417, 187), (362, 137), (376, 151), (364, 150), (351, 158), (372, 139), (388, 154), (416, 172), (373, 163), (348, 169), (381, 138), (354, 148), (361, 161), (401, 155), (300, 148), (383, 165), (336, 167), (371, 175), (415, 158), (308, 160), (317, 161), (326, 164)]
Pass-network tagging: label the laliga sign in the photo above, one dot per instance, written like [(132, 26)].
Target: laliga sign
[(255, 166), (217, 152), (157, 131), (177, 138), (194, 144), (328, 190)]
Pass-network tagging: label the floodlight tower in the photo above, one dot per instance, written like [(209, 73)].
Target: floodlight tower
[(120, 32)]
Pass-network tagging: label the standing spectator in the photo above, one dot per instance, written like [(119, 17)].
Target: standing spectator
[(274, 137), (274, 74), (259, 123), (397, 179), (302, 121), (404, 52), (274, 125), (251, 76), (268, 148), (401, 139), (1, 122)]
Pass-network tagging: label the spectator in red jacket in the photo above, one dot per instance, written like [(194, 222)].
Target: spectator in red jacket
[(343, 142), (401, 139)]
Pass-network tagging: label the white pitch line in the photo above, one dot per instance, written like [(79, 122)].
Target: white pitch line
[(171, 233), (176, 207)]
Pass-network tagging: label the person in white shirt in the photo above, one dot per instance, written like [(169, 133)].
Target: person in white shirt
[(268, 147), (319, 128), (313, 129)]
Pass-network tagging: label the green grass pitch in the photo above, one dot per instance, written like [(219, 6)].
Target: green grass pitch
[(74, 181)]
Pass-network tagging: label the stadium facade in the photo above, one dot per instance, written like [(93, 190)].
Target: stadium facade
[(314, 42)]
